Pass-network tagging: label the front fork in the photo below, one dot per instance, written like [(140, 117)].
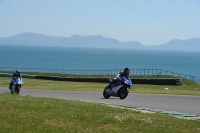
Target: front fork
[(124, 88)]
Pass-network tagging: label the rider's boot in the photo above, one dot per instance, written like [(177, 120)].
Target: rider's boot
[(10, 86)]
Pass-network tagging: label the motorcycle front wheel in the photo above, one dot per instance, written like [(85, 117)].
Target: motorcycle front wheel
[(105, 93), (123, 93), (17, 89)]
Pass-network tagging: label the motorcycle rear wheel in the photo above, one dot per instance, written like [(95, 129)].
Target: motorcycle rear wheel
[(105, 93)]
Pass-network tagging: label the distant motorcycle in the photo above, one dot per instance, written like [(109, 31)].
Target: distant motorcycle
[(15, 85), (118, 90)]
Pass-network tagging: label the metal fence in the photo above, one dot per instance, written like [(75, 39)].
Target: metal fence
[(136, 72)]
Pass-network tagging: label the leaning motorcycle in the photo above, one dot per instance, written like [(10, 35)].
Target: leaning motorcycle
[(118, 90), (15, 85)]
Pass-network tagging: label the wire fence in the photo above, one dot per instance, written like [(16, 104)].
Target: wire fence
[(135, 72)]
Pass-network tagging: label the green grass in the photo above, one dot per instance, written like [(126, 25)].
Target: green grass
[(188, 87), (47, 115)]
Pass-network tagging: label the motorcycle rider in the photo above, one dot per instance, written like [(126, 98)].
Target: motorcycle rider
[(15, 75), (125, 73)]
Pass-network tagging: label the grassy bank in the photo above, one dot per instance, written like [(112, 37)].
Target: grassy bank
[(31, 114), (188, 87)]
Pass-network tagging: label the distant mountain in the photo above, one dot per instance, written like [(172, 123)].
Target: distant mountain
[(179, 45), (97, 41)]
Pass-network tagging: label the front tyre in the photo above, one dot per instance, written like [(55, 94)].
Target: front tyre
[(17, 89), (105, 93), (123, 93)]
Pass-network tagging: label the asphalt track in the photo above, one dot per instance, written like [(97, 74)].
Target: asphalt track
[(155, 102)]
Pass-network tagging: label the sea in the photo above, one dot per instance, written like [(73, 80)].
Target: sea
[(71, 58)]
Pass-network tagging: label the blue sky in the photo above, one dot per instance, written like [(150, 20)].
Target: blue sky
[(150, 22)]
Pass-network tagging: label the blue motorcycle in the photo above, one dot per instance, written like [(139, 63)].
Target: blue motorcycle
[(118, 89), (15, 85)]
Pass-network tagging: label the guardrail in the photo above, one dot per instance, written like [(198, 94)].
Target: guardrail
[(136, 72)]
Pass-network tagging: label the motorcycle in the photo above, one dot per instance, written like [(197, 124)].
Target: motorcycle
[(15, 85), (120, 90)]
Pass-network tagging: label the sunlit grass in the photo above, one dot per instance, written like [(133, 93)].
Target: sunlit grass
[(188, 87), (30, 114)]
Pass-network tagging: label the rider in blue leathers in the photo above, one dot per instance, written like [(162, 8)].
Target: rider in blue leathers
[(125, 73), (17, 75)]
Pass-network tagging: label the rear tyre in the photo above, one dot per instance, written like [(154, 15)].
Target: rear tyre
[(123, 93), (105, 93)]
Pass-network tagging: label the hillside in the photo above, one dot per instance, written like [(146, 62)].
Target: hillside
[(97, 41)]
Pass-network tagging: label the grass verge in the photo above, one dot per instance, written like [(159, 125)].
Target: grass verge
[(188, 87), (31, 114)]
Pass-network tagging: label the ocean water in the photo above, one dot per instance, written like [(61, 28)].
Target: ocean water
[(98, 59)]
